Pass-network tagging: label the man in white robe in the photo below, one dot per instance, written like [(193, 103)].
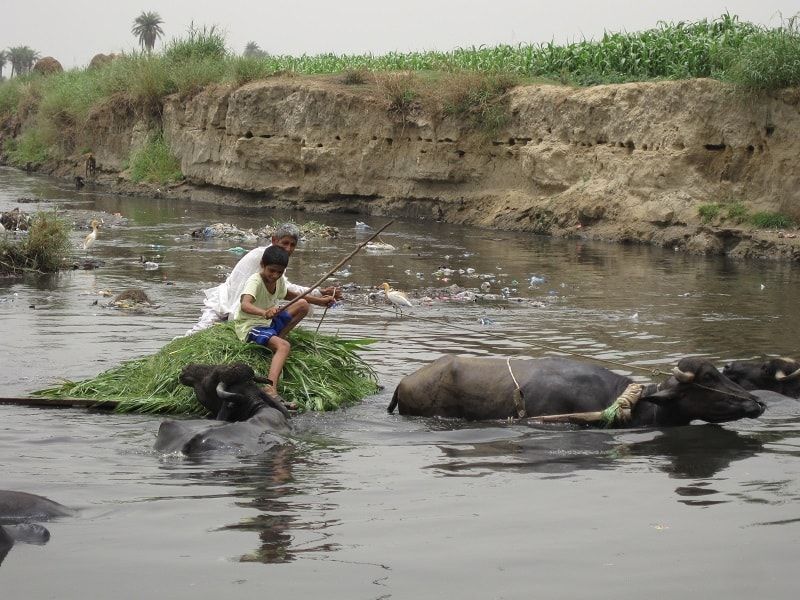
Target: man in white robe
[(222, 300)]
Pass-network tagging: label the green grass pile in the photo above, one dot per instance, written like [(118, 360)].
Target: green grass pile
[(322, 373)]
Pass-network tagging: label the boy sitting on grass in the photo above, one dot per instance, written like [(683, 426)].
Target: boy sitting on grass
[(258, 318)]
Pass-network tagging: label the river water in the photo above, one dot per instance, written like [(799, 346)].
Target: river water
[(369, 505)]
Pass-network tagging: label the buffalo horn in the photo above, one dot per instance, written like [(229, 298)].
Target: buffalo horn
[(223, 393), (781, 376), (683, 376)]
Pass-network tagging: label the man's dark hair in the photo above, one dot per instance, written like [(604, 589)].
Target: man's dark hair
[(275, 255)]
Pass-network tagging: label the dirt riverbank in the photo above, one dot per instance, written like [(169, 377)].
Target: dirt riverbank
[(678, 164)]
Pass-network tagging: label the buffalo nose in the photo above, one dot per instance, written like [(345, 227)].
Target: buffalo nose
[(758, 409)]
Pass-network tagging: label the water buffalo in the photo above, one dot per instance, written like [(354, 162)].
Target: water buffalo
[(780, 375), (216, 385), (482, 388), (248, 421), (18, 510)]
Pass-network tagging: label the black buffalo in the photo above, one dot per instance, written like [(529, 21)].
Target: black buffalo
[(482, 388), (780, 375), (229, 392), (18, 511), (248, 421)]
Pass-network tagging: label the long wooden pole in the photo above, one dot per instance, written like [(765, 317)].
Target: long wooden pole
[(339, 264)]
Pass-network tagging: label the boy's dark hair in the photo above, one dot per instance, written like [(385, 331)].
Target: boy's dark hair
[(275, 255)]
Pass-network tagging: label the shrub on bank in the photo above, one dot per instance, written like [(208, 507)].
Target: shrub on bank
[(766, 60), (769, 220), (738, 213), (29, 149), (155, 163), (43, 249), (708, 212)]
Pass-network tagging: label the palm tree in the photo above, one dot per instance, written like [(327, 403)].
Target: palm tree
[(252, 50), (147, 27), (22, 59), (3, 59)]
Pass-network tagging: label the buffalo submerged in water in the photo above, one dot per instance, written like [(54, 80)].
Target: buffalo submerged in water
[(484, 388), (246, 419), (18, 511), (781, 375)]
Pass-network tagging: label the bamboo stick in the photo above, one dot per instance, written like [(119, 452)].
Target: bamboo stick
[(339, 264), (60, 402)]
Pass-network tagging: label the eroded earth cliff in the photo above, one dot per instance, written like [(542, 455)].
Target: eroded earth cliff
[(631, 162)]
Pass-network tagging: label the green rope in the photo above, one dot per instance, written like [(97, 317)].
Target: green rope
[(610, 415)]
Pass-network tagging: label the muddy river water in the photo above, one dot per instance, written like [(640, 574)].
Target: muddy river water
[(369, 505)]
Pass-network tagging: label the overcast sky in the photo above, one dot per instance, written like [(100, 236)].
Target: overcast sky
[(75, 30)]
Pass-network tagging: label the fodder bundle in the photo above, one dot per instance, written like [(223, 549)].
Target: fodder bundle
[(322, 373)]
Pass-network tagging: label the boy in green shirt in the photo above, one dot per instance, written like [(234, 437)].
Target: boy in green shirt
[(258, 318)]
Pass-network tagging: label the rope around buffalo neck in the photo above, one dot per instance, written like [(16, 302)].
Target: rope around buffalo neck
[(519, 403), (618, 413), (620, 410)]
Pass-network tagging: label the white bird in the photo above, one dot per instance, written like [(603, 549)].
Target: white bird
[(90, 239), (149, 265), (396, 298)]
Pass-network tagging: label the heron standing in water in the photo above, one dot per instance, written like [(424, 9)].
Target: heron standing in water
[(397, 298), (92, 237)]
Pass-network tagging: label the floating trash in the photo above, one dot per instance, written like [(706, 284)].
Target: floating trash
[(237, 250), (379, 247), (486, 321), (361, 225), (536, 280)]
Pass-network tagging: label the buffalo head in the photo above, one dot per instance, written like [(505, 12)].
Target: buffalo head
[(697, 390), (777, 374)]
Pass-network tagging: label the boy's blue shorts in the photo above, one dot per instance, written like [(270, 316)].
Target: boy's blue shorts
[(262, 333)]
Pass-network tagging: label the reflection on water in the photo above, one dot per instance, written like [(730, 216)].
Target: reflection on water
[(365, 504), (265, 484), (694, 452)]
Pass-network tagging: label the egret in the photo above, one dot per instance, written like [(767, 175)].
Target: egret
[(396, 298), (90, 239)]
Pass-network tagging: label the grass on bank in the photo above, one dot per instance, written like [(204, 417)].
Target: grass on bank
[(726, 47), (322, 373), (738, 213), (42, 250), (155, 163), (770, 220)]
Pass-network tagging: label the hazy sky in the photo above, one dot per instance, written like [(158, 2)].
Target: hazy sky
[(75, 30)]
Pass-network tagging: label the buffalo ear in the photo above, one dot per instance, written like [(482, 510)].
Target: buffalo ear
[(661, 397)]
